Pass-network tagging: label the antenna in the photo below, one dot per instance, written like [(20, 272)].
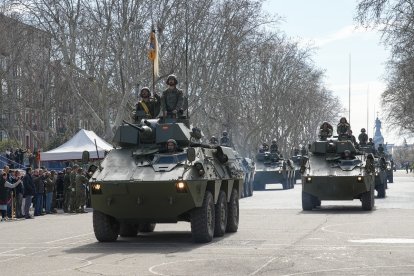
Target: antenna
[(367, 108), (349, 96), (186, 53)]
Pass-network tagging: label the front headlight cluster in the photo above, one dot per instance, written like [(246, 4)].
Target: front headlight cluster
[(308, 179), (96, 188), (181, 187), (360, 179), (199, 168)]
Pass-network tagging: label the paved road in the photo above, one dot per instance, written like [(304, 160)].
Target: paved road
[(275, 238)]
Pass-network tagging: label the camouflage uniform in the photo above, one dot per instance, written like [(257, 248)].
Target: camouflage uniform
[(153, 105), (172, 99), (81, 182), (66, 192), (73, 190)]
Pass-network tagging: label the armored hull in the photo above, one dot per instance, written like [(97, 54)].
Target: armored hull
[(140, 184), (328, 176), (272, 170)]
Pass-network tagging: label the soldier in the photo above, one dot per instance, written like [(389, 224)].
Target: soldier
[(225, 140), (363, 137), (303, 151), (352, 137), (73, 188), (67, 190), (274, 147), (325, 131), (343, 129), (172, 99), (172, 146), (213, 141), (81, 181), (295, 152), (148, 107)]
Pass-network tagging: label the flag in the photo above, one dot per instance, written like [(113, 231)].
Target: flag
[(153, 52)]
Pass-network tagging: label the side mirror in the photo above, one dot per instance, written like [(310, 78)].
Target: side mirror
[(85, 157), (191, 154)]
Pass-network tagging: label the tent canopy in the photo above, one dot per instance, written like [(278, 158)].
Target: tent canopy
[(73, 149)]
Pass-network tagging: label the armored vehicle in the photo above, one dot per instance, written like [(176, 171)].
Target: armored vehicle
[(271, 169), (335, 170), (380, 170), (142, 182), (248, 168)]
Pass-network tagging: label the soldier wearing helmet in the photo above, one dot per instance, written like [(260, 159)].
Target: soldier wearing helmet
[(363, 137), (172, 98), (343, 129), (225, 140), (325, 131), (274, 147), (172, 146), (213, 141), (148, 107)]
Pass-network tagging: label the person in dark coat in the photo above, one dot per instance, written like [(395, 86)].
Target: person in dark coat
[(5, 185), (29, 192)]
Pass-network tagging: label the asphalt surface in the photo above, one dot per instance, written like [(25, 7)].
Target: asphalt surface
[(275, 237)]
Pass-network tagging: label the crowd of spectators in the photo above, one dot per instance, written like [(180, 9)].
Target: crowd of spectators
[(42, 191), (21, 158)]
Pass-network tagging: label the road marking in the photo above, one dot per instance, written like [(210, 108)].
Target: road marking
[(68, 238), (263, 266), (16, 249), (386, 240)]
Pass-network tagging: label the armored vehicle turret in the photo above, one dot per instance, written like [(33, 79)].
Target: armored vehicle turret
[(335, 170), (157, 174), (272, 169)]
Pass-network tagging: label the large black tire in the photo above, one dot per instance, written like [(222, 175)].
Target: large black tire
[(233, 212), (381, 191), (316, 202), (368, 200), (202, 220), (250, 186), (128, 230), (146, 227), (220, 215), (391, 179), (259, 185), (308, 202), (106, 228)]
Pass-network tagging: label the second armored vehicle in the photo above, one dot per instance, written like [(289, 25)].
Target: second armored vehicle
[(334, 170)]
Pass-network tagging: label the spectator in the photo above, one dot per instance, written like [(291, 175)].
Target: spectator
[(5, 185), (18, 191), (40, 189), (49, 188), (29, 192)]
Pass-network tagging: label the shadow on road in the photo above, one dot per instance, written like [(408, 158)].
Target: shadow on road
[(165, 242), (338, 210)]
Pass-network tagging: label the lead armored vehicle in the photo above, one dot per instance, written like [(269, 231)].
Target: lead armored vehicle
[(335, 170), (271, 169), (141, 183)]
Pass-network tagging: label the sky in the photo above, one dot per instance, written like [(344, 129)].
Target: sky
[(340, 45)]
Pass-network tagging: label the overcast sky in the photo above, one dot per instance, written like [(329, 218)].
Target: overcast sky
[(329, 26)]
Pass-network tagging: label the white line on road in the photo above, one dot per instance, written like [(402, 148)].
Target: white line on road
[(68, 238)]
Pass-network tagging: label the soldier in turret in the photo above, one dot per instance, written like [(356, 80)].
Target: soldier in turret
[(325, 131), (172, 146), (172, 99), (225, 140), (343, 129), (213, 141), (363, 137), (274, 147), (148, 107)]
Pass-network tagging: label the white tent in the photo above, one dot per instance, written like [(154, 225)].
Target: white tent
[(73, 149)]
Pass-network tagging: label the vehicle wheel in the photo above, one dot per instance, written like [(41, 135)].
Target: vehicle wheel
[(391, 180), (146, 227), (128, 230), (368, 200), (250, 186), (106, 228), (220, 215), (307, 201), (233, 212), (293, 179), (381, 191), (285, 184), (316, 202), (202, 220)]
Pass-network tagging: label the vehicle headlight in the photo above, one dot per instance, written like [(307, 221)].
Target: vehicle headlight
[(181, 187), (360, 179), (96, 188), (376, 174), (308, 179)]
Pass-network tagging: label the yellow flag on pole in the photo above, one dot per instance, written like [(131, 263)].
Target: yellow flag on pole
[(153, 52)]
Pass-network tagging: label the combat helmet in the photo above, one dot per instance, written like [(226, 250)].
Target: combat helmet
[(172, 76)]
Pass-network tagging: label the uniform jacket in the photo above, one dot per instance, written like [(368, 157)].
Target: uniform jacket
[(172, 99)]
